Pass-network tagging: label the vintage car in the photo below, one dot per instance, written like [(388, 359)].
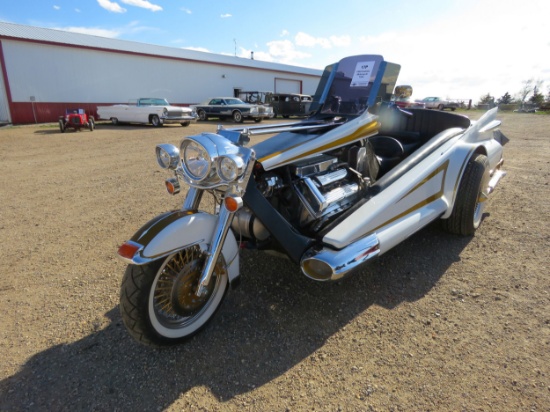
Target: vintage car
[(147, 110), (439, 103), (76, 119), (232, 107), (289, 104)]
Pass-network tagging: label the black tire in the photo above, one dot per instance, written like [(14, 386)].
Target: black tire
[(470, 200), (185, 124), (61, 126), (152, 311), (114, 121), (441, 107), (202, 115), (91, 124), (453, 109), (258, 120), (237, 116), (155, 121)]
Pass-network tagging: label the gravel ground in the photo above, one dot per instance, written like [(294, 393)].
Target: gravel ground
[(440, 323)]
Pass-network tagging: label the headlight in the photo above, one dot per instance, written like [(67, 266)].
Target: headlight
[(168, 156), (254, 110), (196, 160), (230, 167)]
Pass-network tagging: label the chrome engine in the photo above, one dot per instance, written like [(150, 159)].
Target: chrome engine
[(324, 187), (308, 193)]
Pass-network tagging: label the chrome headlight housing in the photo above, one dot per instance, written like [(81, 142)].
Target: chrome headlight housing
[(210, 160), (230, 167), (197, 160), (168, 156), (254, 110)]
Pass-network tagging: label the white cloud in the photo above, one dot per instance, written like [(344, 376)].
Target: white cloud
[(284, 33), (306, 40), (77, 10), (144, 4), (283, 51), (187, 11), (225, 16), (111, 6), (340, 41), (57, 7)]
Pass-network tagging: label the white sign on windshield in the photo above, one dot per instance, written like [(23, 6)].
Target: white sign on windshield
[(361, 76)]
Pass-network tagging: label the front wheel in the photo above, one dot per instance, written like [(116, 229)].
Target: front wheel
[(91, 124), (202, 115), (158, 302), (237, 116), (470, 199), (61, 126), (155, 121)]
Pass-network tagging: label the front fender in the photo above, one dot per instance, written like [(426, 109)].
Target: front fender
[(176, 230)]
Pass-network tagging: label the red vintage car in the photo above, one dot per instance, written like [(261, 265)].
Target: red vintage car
[(77, 119)]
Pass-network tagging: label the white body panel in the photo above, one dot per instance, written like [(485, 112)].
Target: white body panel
[(421, 195), (190, 230)]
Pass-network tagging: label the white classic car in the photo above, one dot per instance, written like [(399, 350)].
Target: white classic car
[(147, 110)]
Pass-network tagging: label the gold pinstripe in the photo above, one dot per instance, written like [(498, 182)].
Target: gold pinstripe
[(361, 132), (443, 168)]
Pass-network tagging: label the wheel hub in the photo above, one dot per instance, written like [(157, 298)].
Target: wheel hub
[(184, 300)]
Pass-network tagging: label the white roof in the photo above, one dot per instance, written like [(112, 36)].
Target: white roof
[(40, 34)]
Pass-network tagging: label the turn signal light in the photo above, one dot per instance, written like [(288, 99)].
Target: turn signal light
[(128, 249), (173, 186), (233, 204)]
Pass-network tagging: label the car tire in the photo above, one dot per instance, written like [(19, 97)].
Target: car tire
[(237, 116), (114, 121), (258, 120), (185, 124), (440, 107), (91, 124), (62, 126), (470, 200), (202, 115), (155, 121)]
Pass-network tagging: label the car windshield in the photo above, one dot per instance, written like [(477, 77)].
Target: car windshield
[(234, 101), (153, 102)]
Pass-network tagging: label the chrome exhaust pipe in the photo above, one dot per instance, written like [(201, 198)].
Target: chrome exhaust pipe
[(495, 177), (329, 264)]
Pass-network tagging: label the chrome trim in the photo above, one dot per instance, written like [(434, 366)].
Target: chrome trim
[(282, 127), (224, 223), (329, 264), (173, 153), (139, 259), (193, 199), (499, 174)]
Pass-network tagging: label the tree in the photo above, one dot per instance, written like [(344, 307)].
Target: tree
[(529, 86), (537, 98), (487, 99), (505, 99)]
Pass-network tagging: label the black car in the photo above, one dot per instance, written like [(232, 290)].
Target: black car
[(289, 104), (231, 107)]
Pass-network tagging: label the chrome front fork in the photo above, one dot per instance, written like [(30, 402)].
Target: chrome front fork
[(225, 217)]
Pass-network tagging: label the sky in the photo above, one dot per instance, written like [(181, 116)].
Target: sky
[(458, 49)]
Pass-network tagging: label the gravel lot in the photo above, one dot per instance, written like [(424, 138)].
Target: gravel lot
[(440, 323)]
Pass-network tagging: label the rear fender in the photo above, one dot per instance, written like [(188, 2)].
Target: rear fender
[(179, 229)]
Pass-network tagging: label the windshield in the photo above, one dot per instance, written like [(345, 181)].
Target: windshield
[(153, 102), (354, 84)]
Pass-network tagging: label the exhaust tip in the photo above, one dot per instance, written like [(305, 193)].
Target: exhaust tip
[(316, 269)]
